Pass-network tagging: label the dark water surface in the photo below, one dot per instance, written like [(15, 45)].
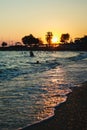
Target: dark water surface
[(30, 91)]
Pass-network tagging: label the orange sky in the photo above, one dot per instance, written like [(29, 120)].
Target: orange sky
[(23, 17)]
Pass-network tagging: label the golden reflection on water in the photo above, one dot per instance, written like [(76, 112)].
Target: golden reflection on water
[(56, 92), (48, 107)]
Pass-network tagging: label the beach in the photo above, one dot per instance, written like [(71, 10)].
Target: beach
[(70, 115), (33, 95)]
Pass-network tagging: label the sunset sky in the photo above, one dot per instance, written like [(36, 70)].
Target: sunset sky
[(23, 17)]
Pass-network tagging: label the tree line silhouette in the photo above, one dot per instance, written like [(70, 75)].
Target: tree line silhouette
[(30, 41)]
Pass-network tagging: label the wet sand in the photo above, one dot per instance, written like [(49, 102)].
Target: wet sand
[(71, 115)]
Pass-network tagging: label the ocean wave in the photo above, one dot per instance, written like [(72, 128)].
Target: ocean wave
[(28, 68), (80, 56)]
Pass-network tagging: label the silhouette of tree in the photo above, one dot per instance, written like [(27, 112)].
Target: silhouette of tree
[(4, 44), (64, 38), (49, 36), (30, 40), (77, 40), (38, 42), (82, 40)]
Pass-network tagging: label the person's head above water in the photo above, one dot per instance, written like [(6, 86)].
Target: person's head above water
[(31, 54)]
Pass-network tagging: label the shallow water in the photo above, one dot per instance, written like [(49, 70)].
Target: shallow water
[(30, 91)]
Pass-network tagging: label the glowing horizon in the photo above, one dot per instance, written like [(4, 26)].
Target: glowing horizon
[(23, 17)]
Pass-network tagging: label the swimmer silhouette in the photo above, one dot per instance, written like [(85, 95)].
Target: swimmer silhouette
[(31, 54)]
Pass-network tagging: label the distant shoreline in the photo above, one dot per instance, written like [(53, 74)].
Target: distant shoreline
[(58, 48)]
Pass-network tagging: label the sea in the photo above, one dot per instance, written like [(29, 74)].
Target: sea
[(31, 87)]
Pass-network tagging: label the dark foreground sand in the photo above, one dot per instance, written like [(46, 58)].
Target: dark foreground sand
[(71, 115)]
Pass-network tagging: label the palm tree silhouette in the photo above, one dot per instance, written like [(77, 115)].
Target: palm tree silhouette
[(49, 36)]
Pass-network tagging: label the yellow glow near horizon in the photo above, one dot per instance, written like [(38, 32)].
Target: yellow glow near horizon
[(55, 39), (23, 17)]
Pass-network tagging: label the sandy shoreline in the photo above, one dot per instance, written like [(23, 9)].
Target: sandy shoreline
[(71, 115)]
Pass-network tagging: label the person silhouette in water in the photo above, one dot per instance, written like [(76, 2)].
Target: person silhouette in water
[(31, 54)]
